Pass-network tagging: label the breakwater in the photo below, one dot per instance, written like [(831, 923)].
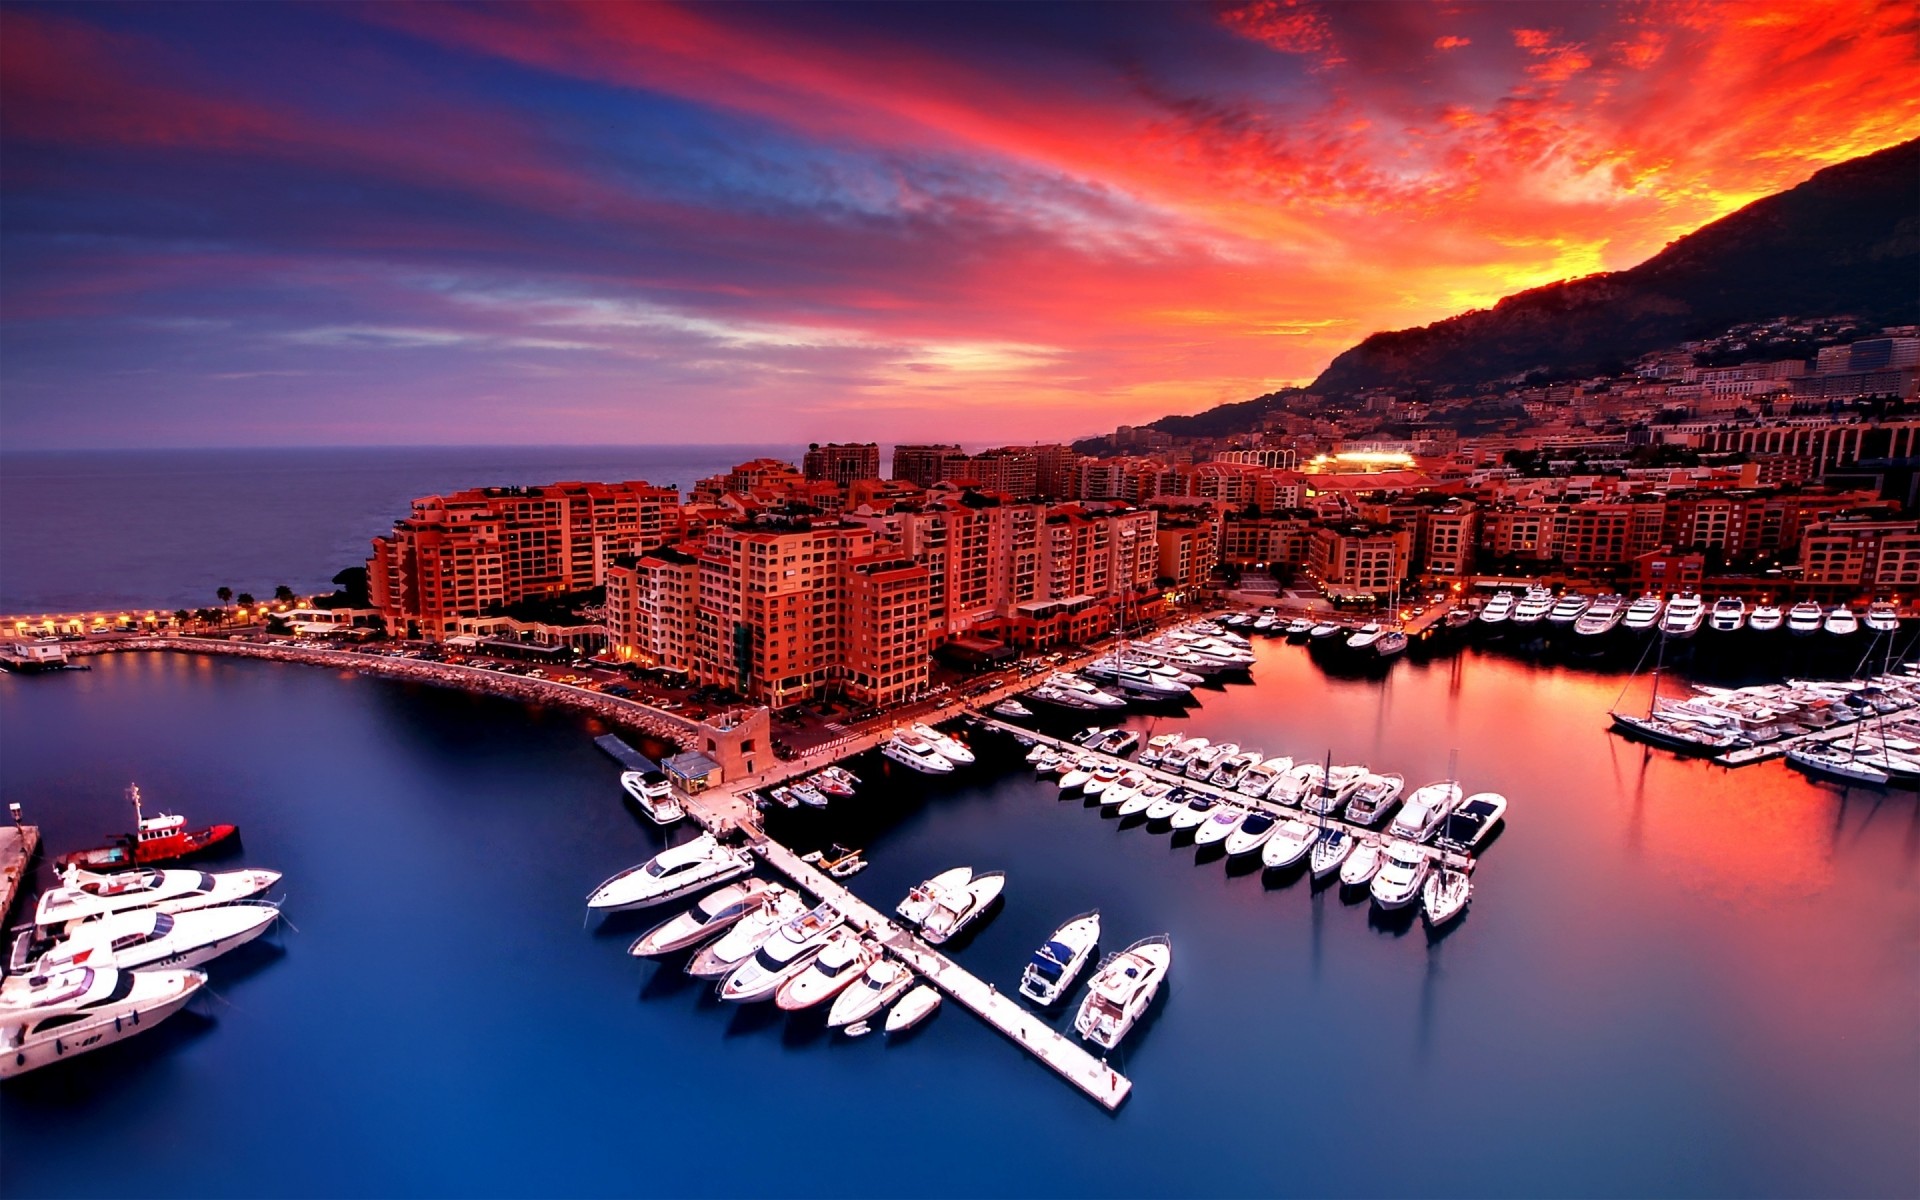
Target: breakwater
[(627, 714)]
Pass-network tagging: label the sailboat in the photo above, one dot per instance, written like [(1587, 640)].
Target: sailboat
[(1673, 735)]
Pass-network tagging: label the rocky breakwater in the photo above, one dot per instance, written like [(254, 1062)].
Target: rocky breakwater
[(627, 714)]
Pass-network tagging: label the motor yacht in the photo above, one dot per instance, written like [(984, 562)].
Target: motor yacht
[(835, 781), (1124, 791), (87, 896), (1251, 833), (652, 793), (1569, 609), (1804, 618), (1206, 762), (878, 986), (1048, 694), (1119, 742), (1765, 618), (145, 937), (1086, 691), (1295, 782), (1288, 844), (1364, 637), (671, 874), (1259, 779), (1842, 622), (1601, 616), (1444, 895), (1498, 609), (1121, 990), (1373, 795), (913, 1008), (787, 953), (711, 915), (844, 959), (1330, 849), (1144, 797), (46, 1018), (1080, 773), (1011, 707), (1336, 787), (1157, 747), (1469, 824), (1103, 777), (912, 750), (1194, 813), (1363, 862), (1179, 758), (1882, 617), (1233, 768), (921, 900), (1298, 628), (1729, 615), (955, 909), (1050, 973), (719, 957), (1219, 823), (1423, 811), (1644, 613), (1164, 807), (1039, 751), (807, 794), (1045, 762), (1533, 607), (1139, 681), (946, 745), (1685, 614), (1403, 869)]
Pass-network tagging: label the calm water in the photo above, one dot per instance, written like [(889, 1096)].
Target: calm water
[(82, 530), (1673, 979)]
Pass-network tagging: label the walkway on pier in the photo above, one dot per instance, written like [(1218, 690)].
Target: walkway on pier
[(1747, 755), (1461, 862), (17, 844)]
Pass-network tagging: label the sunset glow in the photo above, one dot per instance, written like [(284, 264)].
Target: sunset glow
[(413, 223)]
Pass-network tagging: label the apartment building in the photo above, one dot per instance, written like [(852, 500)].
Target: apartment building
[(1358, 559), (1863, 552), (842, 463), (885, 635)]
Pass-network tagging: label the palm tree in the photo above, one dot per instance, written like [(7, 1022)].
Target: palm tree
[(180, 616), (245, 599), (283, 594), (226, 599)]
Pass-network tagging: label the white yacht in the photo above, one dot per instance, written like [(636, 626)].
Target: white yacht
[(1335, 788), (1040, 751), (145, 937), (1145, 797), (844, 958), (1325, 630), (1644, 613), (1729, 615), (1119, 742), (1157, 747), (1403, 870), (1103, 777), (1534, 606), (748, 934), (956, 908), (714, 913), (652, 792), (671, 874), (1498, 609), (1079, 773), (1123, 791), (782, 956), (1329, 851), (1883, 617), (1373, 795), (1251, 833), (1163, 808), (1232, 768), (1147, 684), (912, 750), (1054, 966), (945, 745), (1424, 810), (1445, 894), (1363, 862), (1046, 693), (1219, 823), (1601, 616), (914, 1007), (1841, 622), (1296, 781), (1804, 618), (1121, 990), (1193, 813), (1364, 637), (1569, 609), (877, 987), (1259, 780), (87, 896), (1179, 758), (1077, 686), (1208, 760), (1288, 844), (1765, 618), (47, 1018), (921, 899), (1685, 614), (1471, 821), (1011, 707), (1045, 761)]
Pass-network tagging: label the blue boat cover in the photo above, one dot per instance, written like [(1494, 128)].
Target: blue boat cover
[(1051, 959)]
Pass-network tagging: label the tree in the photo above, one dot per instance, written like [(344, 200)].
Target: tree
[(246, 599), (283, 594), (180, 616), (225, 594)]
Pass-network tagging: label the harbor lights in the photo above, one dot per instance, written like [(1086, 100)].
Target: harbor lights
[(13, 810)]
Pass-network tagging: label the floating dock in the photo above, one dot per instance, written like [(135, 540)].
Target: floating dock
[(1821, 737), (624, 754), (17, 846)]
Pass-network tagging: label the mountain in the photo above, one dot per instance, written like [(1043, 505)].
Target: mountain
[(1845, 241)]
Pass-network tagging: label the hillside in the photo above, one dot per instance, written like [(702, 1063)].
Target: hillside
[(1845, 241)]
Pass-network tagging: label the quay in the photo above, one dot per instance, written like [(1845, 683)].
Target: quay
[(724, 809), (1747, 755), (617, 749), (1459, 862), (18, 844)]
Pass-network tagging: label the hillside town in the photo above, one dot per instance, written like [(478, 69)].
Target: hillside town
[(1773, 463)]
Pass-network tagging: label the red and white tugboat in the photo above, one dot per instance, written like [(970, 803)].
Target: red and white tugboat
[(160, 839)]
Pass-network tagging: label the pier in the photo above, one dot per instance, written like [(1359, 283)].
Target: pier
[(18, 843), (617, 748)]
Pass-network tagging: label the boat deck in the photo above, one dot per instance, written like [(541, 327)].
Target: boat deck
[(1461, 862), (1067, 1058)]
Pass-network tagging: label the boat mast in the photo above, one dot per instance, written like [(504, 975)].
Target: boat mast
[(133, 794)]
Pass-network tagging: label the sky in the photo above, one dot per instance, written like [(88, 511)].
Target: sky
[(265, 224)]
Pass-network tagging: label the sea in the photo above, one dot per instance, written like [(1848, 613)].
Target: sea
[(1674, 978)]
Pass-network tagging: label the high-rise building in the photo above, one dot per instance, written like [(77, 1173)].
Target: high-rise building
[(923, 465), (842, 463)]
